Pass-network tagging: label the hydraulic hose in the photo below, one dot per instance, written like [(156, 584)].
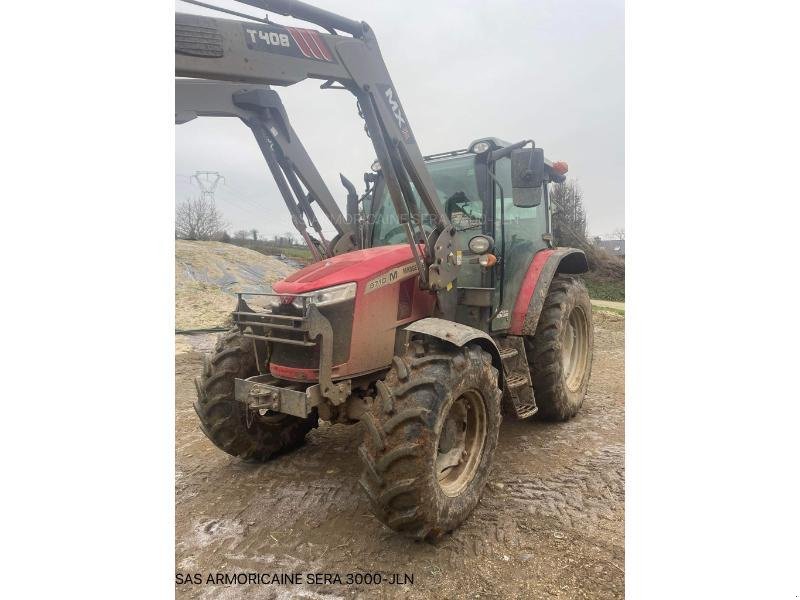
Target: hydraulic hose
[(307, 12)]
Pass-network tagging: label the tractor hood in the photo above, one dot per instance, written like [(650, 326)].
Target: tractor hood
[(361, 266)]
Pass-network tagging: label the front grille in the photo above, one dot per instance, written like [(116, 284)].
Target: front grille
[(340, 316)]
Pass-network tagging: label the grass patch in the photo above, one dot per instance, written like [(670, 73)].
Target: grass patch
[(299, 253), (605, 289), (608, 309)]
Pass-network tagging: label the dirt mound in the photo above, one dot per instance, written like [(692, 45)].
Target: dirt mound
[(209, 274)]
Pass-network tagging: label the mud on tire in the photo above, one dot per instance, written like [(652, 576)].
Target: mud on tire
[(250, 437), (407, 425), (560, 353)]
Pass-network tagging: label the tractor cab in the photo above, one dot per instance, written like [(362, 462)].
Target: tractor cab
[(497, 238)]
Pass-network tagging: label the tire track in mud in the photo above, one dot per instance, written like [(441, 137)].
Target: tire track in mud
[(585, 491), (549, 525)]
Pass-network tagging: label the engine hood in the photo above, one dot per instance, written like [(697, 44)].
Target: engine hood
[(359, 266)]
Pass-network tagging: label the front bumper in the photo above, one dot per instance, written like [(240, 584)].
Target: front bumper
[(310, 328), (264, 392)]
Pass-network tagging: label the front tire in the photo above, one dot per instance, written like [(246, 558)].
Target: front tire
[(430, 438), (245, 434), (560, 353)]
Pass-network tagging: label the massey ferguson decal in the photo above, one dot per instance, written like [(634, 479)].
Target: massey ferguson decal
[(289, 41), (390, 277), (390, 96)]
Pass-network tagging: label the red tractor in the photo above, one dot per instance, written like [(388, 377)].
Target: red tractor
[(440, 304)]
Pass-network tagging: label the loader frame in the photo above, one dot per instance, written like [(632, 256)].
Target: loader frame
[(272, 54)]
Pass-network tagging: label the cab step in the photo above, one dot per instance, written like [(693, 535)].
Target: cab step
[(527, 410), (507, 353), (516, 380), (518, 390)]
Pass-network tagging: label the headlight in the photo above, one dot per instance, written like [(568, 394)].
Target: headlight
[(376, 166), (331, 295), (481, 147), (480, 244)]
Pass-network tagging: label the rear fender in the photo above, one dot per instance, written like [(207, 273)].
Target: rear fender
[(533, 291), (459, 335)]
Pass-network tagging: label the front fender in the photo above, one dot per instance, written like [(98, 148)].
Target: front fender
[(533, 291), (460, 335)]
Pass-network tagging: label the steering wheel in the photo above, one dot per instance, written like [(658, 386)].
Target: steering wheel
[(426, 227)]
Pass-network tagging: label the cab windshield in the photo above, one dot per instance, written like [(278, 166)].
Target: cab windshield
[(454, 180)]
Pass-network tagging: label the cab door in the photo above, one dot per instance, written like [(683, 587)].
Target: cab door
[(518, 236)]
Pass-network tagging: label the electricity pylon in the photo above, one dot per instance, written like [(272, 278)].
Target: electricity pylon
[(208, 182)]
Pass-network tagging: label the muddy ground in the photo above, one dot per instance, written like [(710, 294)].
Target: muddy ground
[(550, 523)]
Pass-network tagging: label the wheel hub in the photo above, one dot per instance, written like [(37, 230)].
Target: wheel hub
[(575, 352), (461, 443)]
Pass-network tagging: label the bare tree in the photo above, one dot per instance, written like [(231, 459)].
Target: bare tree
[(254, 233), (240, 235), (198, 219), (289, 239), (618, 233), (569, 218)]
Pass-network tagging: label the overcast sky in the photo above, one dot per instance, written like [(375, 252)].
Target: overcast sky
[(550, 70)]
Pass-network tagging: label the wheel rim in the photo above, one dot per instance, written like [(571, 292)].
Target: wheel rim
[(575, 348), (461, 443)]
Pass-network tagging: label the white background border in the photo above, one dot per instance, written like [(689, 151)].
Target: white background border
[(712, 323)]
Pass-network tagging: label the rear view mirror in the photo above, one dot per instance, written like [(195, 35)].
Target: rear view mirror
[(527, 177)]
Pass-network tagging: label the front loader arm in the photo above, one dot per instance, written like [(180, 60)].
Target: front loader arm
[(261, 109), (268, 53)]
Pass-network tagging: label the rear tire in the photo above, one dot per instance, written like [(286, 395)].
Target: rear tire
[(560, 353), (430, 438), (232, 428)]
